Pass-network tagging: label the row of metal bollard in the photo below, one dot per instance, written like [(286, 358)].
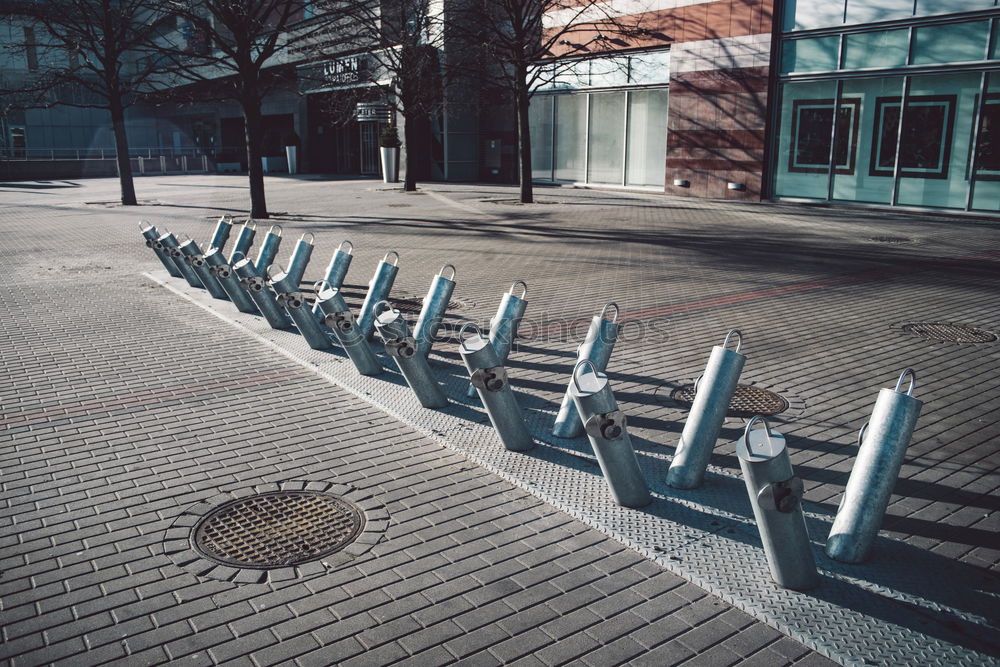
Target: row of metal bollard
[(589, 406)]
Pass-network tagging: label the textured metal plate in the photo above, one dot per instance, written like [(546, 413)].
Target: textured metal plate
[(277, 529), (748, 401), (407, 305), (949, 333)]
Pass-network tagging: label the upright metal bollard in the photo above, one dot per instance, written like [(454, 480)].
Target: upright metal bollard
[(333, 310), (713, 392), (775, 495), (268, 250), (489, 377), (221, 233), (294, 302), (150, 233), (597, 348), (378, 291), (435, 305), (299, 259), (403, 349), (168, 243), (224, 273), (336, 270), (883, 441), (196, 260), (606, 429), (503, 326), (256, 287), (244, 239)]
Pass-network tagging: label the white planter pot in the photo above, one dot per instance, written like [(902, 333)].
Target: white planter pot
[(292, 155), (390, 164)]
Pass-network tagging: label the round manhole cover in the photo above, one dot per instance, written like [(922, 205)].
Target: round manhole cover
[(277, 529), (747, 401), (949, 333)]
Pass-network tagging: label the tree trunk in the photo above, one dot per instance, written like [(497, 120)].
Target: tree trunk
[(521, 102), (253, 124), (410, 179), (121, 153)]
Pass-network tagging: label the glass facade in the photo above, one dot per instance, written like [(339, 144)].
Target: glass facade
[(904, 113)]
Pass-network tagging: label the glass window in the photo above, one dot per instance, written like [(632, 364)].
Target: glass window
[(810, 55), (986, 184), (608, 72), (809, 14), (870, 11), (645, 68), (956, 42), (931, 7), (570, 137), (804, 139), (995, 46), (607, 138), (885, 48), (647, 138), (540, 121)]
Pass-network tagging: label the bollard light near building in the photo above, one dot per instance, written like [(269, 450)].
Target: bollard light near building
[(268, 250), (882, 446), (378, 291), (435, 305), (336, 270), (403, 349), (597, 348), (168, 243), (192, 254), (256, 287), (221, 234), (775, 495), (489, 377), (244, 239), (713, 392), (299, 259), (332, 310), (606, 429), (224, 273), (294, 302), (503, 326), (150, 234)]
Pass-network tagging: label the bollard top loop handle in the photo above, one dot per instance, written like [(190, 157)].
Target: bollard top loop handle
[(318, 286), (350, 246), (453, 271), (269, 272), (392, 252), (861, 433), (739, 340), (576, 370), (523, 284), (251, 223), (605, 310), (913, 381), (461, 332), (147, 226), (377, 309), (312, 237), (184, 238), (750, 425), (237, 256), (273, 227)]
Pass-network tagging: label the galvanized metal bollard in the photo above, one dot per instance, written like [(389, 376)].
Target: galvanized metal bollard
[(196, 260), (775, 495), (596, 347), (268, 250), (150, 233), (244, 239), (169, 245), (489, 377), (435, 305), (222, 272), (300, 258), (882, 446), (333, 310), (403, 349), (294, 302), (606, 429), (221, 233), (378, 291), (713, 392), (503, 326), (256, 287), (336, 270)]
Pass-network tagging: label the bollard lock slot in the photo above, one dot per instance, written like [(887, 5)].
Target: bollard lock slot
[(607, 426), (783, 497), (254, 283), (195, 260), (221, 271), (489, 379), (291, 299), (404, 348), (341, 321)]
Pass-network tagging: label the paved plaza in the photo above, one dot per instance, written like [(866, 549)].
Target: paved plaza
[(131, 402)]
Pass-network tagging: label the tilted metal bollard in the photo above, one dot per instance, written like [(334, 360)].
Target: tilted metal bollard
[(435, 305), (256, 287), (883, 441), (606, 429), (489, 377), (403, 349), (244, 239), (196, 260), (294, 302), (330, 305), (503, 326), (268, 250), (597, 348), (378, 291), (224, 273), (775, 495), (221, 233), (713, 392), (150, 233), (168, 243), (336, 270), (299, 259)]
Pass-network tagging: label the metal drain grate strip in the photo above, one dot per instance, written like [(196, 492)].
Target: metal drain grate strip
[(747, 401)]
